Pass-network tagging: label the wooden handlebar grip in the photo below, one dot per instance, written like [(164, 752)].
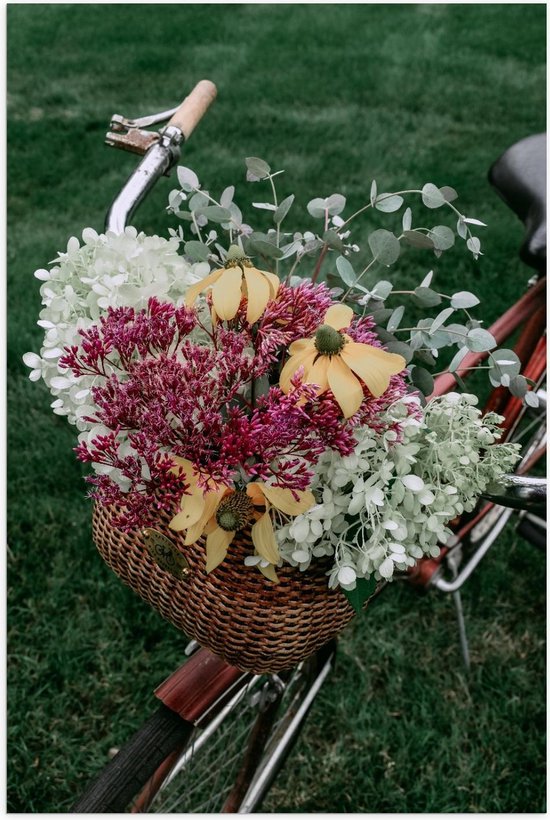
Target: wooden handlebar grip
[(194, 107)]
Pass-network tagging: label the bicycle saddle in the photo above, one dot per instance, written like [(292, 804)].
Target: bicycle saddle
[(519, 177)]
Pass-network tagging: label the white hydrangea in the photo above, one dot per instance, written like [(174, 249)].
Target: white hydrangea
[(387, 505), (107, 270)]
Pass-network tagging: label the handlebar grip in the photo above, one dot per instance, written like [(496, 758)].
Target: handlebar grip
[(194, 107)]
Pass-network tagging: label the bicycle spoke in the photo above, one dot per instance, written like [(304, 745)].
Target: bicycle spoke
[(209, 772)]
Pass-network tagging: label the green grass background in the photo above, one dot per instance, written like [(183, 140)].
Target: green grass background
[(336, 95)]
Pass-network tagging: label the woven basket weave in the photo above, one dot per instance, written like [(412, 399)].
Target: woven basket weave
[(234, 611)]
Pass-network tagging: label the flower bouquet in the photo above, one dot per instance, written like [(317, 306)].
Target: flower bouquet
[(254, 412)]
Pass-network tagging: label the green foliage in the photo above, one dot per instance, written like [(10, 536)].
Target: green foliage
[(363, 590)]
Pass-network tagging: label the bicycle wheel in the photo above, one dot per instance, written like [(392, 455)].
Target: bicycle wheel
[(224, 763)]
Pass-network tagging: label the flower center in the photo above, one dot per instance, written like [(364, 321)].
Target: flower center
[(235, 511), (236, 257), (328, 341)]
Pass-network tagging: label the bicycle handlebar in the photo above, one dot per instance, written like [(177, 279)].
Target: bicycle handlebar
[(194, 107), (161, 156)]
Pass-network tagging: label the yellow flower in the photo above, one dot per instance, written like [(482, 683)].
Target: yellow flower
[(221, 512), (330, 359), (239, 278)]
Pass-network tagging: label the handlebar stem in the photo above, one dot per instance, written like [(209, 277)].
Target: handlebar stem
[(158, 160)]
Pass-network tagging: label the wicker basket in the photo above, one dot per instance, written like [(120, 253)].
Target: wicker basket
[(234, 611)]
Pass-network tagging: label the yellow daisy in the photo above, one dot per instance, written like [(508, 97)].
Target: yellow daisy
[(221, 512), (331, 358), (239, 278)]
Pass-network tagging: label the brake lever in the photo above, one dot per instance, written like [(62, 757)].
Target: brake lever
[(129, 134), (119, 122)]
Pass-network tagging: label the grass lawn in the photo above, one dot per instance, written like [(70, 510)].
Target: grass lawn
[(336, 95)]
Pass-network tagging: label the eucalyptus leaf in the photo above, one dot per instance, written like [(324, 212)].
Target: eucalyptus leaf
[(432, 196), (373, 192), (283, 209), (175, 198), (382, 289), (332, 239), (474, 245), (236, 215), (449, 193), (460, 382), (441, 318), (317, 207), (215, 213), (442, 237), (417, 340), (407, 220), (198, 201), (480, 340), (504, 365), (472, 221), (422, 379), (313, 246), (425, 357), (227, 196), (440, 338), (464, 299), (257, 167), (426, 297), (345, 269), (335, 204), (197, 251), (291, 249), (402, 348), (458, 331), (531, 399), (385, 246), (388, 203), (380, 316), (518, 386), (418, 239), (458, 358), (187, 178), (395, 318), (264, 206), (264, 248), (427, 281), (364, 588), (507, 360), (461, 228)]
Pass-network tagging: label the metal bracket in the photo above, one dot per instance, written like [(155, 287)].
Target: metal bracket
[(269, 693)]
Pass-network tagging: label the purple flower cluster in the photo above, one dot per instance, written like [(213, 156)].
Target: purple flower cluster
[(161, 394), (295, 314)]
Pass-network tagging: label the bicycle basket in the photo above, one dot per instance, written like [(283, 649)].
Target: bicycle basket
[(234, 611)]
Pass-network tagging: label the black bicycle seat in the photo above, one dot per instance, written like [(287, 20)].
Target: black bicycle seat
[(519, 176)]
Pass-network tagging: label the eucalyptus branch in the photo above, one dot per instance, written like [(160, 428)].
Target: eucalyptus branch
[(197, 228), (276, 203), (370, 205), (363, 272), (322, 255), (293, 268)]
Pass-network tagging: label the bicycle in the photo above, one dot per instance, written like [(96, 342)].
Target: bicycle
[(206, 702)]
